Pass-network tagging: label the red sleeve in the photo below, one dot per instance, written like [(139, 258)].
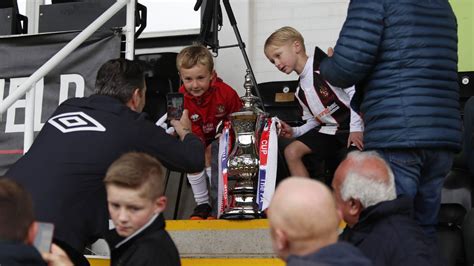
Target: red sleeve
[(232, 99)]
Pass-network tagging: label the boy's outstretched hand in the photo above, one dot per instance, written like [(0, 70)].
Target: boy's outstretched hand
[(356, 139), (285, 130), (330, 51)]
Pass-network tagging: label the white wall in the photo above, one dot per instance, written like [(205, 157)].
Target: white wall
[(230, 64), (318, 20)]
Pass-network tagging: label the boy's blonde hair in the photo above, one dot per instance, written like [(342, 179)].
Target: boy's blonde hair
[(284, 36), (136, 170), (193, 55)]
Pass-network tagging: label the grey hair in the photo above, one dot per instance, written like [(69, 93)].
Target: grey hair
[(360, 185)]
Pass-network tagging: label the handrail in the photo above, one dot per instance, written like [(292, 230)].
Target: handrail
[(29, 129), (130, 31), (59, 56)]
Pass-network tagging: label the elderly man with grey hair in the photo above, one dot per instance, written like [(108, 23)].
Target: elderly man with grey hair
[(304, 225), (378, 222)]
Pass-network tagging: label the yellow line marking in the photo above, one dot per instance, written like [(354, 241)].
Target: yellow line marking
[(99, 262), (183, 225), (342, 225), (188, 225), (210, 262), (232, 262)]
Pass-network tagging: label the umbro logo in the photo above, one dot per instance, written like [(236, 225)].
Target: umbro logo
[(75, 121)]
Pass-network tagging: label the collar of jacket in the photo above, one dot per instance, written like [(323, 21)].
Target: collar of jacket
[(382, 210), (372, 215), (107, 104), (117, 242)]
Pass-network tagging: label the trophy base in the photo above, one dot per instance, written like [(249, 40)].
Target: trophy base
[(243, 206), (240, 214)]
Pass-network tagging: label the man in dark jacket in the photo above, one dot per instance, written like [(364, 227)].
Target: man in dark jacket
[(378, 223), (402, 57), (64, 168), (18, 230), (135, 195), (304, 226)]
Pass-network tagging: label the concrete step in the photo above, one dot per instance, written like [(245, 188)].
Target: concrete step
[(221, 238)]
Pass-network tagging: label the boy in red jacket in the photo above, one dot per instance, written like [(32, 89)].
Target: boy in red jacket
[(209, 101)]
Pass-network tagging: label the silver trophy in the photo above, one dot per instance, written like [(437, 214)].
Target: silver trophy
[(243, 162)]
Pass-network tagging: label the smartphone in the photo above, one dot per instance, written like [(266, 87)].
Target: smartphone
[(44, 237), (175, 105)]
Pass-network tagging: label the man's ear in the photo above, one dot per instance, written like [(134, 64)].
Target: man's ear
[(134, 101), (355, 207), (281, 241), (32, 231), (160, 204)]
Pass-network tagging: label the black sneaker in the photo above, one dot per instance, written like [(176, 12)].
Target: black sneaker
[(201, 212)]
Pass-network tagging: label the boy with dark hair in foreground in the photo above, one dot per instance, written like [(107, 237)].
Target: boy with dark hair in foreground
[(135, 196)]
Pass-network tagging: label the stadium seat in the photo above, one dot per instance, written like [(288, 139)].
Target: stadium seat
[(449, 233), (468, 237)]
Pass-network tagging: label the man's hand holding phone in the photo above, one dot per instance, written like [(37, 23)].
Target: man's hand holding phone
[(174, 105), (183, 125), (44, 236), (51, 253)]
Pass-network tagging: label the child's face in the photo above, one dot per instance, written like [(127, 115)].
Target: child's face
[(283, 57), (129, 210), (196, 79)]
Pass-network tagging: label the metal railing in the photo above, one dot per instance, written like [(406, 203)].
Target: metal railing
[(28, 86)]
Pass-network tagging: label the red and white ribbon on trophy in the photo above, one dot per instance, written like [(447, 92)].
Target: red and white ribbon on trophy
[(225, 144), (268, 155)]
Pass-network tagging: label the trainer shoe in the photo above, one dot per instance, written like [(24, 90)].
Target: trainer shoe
[(201, 212)]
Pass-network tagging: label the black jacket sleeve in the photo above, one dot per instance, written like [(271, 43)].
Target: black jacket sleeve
[(176, 155)]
